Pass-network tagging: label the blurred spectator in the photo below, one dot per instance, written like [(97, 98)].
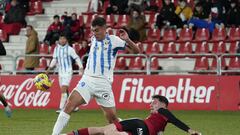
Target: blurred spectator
[(117, 7), (53, 31), (32, 47), (15, 14), (151, 5), (2, 49), (2, 6), (167, 16), (136, 2), (233, 14), (207, 5), (183, 11), (84, 48), (200, 18), (137, 22), (72, 28), (24, 4)]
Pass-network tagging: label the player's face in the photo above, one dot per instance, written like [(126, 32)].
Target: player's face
[(99, 32), (62, 41), (155, 105)]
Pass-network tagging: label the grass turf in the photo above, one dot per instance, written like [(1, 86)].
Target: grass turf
[(40, 122)]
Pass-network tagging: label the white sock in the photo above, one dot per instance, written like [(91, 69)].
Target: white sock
[(63, 100), (61, 122)]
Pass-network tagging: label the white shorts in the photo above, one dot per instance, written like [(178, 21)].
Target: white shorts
[(98, 88), (64, 80)]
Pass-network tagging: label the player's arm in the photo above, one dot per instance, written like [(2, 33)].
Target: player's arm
[(131, 46), (53, 61), (77, 60), (178, 123), (52, 65)]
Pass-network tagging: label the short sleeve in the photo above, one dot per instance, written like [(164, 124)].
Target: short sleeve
[(73, 53), (55, 52), (117, 42)]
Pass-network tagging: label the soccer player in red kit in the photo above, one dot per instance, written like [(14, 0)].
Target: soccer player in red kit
[(154, 124)]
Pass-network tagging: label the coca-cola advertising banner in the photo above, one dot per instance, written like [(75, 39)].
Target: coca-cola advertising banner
[(193, 92)]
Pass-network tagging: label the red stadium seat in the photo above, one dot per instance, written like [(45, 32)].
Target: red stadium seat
[(122, 21), (154, 63), (110, 21), (213, 66), (43, 49), (169, 35), (87, 33), (36, 7), (219, 34), (219, 47), (153, 35), (234, 63), (136, 64), (52, 47), (186, 34), (202, 47), (202, 34), (201, 64), (110, 31), (153, 48), (20, 64), (121, 64), (234, 34), (151, 20), (169, 48), (76, 47), (42, 64), (233, 47), (185, 48), (90, 17)]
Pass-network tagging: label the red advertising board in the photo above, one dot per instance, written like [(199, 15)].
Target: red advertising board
[(193, 92)]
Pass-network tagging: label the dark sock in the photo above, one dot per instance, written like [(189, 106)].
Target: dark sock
[(3, 100)]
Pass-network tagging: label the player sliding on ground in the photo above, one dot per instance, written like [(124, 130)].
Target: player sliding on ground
[(154, 124), (97, 79)]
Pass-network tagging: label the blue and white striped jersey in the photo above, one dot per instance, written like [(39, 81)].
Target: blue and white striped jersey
[(102, 56), (64, 56)]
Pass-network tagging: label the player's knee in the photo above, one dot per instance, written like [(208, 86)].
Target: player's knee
[(112, 118), (70, 106)]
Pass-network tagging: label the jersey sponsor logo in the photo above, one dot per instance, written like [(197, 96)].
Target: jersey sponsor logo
[(106, 96), (139, 131), (83, 84), (182, 92)]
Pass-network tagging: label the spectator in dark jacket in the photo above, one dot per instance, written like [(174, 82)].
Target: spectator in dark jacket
[(233, 14), (15, 14), (54, 31), (2, 49), (117, 7), (167, 16)]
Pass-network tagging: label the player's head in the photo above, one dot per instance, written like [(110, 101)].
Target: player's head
[(62, 39), (158, 102), (99, 28)]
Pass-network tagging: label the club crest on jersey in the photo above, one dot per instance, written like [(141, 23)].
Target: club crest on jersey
[(106, 96), (139, 131)]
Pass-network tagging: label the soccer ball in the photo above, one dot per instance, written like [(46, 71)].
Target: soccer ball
[(42, 82)]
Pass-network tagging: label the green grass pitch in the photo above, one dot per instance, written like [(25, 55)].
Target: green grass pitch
[(40, 122)]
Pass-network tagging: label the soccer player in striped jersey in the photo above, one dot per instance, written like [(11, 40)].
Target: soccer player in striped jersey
[(97, 79), (63, 57)]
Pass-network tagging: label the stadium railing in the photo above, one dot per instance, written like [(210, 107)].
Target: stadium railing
[(187, 57), (233, 64), (7, 64)]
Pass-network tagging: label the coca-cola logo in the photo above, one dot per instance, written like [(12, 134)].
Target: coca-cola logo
[(24, 94), (181, 92)]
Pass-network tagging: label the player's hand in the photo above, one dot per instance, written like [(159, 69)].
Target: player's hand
[(123, 34), (193, 132)]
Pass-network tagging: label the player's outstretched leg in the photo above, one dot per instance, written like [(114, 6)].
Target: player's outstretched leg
[(74, 100), (7, 108)]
